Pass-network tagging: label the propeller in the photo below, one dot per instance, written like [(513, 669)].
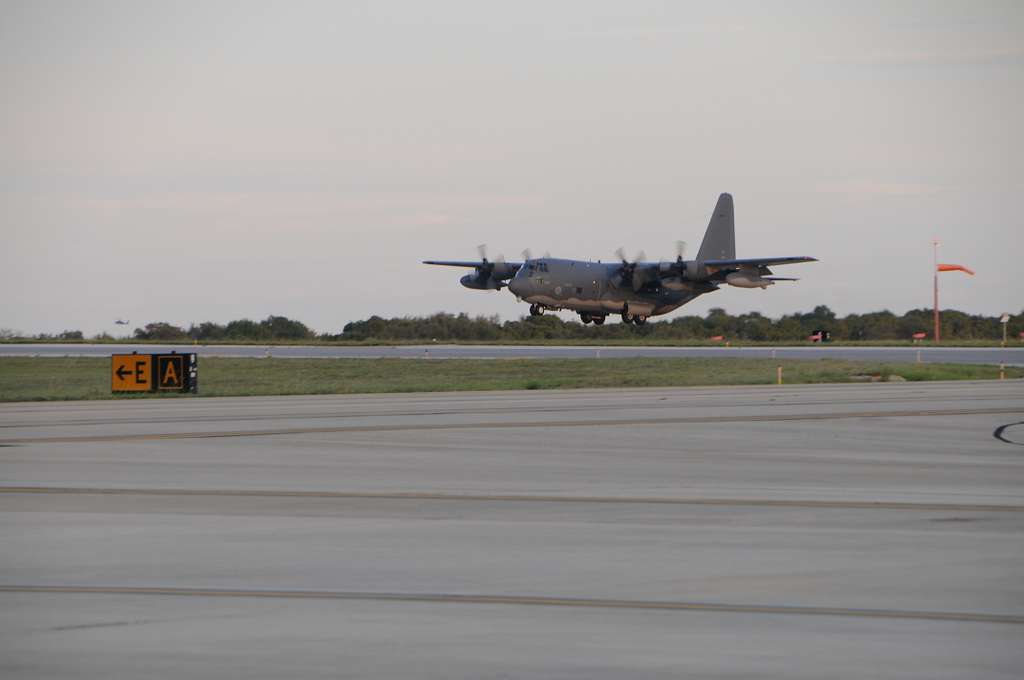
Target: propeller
[(628, 270), (621, 253), (527, 254), (680, 264), (485, 272)]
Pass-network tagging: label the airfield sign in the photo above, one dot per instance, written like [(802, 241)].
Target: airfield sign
[(170, 371), (131, 373), (154, 372)]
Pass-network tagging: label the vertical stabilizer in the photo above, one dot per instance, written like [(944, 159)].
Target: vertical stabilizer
[(720, 239)]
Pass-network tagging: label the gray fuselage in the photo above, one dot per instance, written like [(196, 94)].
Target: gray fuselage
[(593, 287)]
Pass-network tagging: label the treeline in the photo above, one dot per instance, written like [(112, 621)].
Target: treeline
[(875, 326), (242, 330), (752, 326), (271, 328)]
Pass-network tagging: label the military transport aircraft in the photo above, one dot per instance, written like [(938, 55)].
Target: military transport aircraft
[(637, 289)]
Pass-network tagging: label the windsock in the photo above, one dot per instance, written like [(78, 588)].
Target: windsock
[(954, 268)]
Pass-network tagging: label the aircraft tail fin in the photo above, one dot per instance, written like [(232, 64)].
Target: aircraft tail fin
[(720, 239)]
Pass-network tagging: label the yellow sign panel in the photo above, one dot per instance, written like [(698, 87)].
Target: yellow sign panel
[(170, 371), (131, 373)]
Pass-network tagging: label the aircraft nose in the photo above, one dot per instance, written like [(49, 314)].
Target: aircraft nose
[(520, 284)]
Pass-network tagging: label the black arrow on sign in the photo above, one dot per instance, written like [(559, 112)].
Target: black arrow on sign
[(121, 372)]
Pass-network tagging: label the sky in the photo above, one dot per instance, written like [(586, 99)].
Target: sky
[(197, 161)]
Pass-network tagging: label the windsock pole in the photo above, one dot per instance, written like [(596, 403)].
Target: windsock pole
[(942, 268), (935, 287)]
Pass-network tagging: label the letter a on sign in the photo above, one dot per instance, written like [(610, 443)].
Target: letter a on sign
[(170, 375), (170, 368)]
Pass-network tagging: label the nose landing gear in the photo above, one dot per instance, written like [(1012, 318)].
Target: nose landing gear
[(536, 310)]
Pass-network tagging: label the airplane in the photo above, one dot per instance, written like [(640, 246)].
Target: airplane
[(637, 290), (121, 322)]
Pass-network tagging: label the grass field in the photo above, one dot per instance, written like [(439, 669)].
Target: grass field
[(532, 342), (66, 378)]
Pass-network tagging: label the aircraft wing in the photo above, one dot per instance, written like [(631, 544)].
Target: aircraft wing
[(472, 263), (756, 262), (499, 269)]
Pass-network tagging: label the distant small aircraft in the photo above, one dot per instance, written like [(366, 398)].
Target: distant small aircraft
[(636, 290), (121, 322)]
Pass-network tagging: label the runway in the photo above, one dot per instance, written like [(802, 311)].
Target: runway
[(1011, 356), (798, 531)]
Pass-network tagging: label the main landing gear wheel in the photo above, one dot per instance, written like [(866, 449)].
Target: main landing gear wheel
[(585, 317), (598, 320), (638, 319), (536, 310)]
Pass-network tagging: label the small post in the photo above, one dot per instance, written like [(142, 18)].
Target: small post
[(918, 356), (1002, 371), (778, 374)]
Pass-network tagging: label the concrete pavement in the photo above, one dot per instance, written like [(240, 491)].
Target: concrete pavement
[(798, 531)]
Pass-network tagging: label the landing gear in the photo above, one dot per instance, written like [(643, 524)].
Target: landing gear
[(586, 318), (638, 319), (598, 320), (536, 310)]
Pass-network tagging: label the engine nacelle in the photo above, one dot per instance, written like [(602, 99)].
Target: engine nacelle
[(676, 283), (747, 279), (681, 271), (477, 282)]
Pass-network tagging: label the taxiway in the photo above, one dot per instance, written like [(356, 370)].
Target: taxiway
[(840, 530)]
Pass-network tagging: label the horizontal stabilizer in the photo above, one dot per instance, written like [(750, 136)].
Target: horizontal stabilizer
[(757, 262)]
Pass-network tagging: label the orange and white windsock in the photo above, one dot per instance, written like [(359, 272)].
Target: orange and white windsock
[(954, 268)]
